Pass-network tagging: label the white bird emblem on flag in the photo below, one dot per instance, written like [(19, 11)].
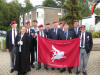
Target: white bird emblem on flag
[(57, 54)]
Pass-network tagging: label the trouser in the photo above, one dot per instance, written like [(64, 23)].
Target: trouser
[(83, 56), (20, 69), (39, 65), (32, 56), (12, 57), (45, 66), (35, 51)]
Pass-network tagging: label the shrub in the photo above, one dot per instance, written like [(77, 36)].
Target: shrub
[(96, 34)]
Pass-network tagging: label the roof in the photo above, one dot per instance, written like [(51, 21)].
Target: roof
[(44, 8)]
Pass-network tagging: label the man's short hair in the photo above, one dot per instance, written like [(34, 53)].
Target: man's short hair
[(35, 21)]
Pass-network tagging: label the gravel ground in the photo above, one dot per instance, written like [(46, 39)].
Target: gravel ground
[(93, 67)]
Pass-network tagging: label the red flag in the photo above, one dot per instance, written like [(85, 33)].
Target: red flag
[(58, 53)]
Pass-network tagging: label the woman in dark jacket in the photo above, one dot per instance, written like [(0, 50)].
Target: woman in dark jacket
[(22, 63)]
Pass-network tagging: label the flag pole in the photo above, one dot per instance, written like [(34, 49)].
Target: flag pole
[(37, 48)]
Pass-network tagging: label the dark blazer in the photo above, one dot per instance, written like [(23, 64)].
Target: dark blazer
[(9, 40), (74, 34), (44, 33), (88, 42), (53, 35), (32, 34), (69, 35)]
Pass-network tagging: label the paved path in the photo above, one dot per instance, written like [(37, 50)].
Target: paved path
[(92, 69)]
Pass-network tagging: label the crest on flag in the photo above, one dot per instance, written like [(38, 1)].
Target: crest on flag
[(57, 54)]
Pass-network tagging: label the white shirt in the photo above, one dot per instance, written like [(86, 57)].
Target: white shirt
[(41, 33), (28, 30), (83, 40), (35, 29), (13, 40), (20, 44), (55, 30), (76, 30)]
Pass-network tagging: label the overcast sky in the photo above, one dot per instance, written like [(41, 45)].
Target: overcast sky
[(34, 2)]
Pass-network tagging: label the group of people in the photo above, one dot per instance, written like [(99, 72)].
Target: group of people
[(22, 44)]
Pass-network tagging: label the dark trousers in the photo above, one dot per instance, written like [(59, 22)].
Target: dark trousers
[(35, 53), (32, 56), (12, 57), (20, 71)]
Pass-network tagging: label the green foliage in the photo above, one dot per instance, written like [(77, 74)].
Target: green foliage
[(28, 5), (96, 34), (85, 10), (11, 11), (53, 3), (59, 3), (97, 11), (49, 3), (73, 11)]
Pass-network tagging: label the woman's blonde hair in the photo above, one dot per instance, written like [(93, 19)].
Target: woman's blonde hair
[(21, 28)]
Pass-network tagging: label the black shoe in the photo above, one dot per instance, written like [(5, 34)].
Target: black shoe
[(23, 74), (58, 68), (62, 70), (32, 66), (46, 68), (38, 68), (78, 72), (84, 73), (18, 73), (53, 68), (70, 71), (12, 70)]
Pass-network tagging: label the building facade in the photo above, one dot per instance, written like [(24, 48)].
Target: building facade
[(42, 15)]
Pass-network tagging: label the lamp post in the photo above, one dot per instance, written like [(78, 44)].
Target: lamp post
[(23, 6)]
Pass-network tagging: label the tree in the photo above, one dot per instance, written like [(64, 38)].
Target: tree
[(49, 3), (59, 3), (85, 8), (73, 11), (28, 5), (3, 14), (97, 11), (11, 11)]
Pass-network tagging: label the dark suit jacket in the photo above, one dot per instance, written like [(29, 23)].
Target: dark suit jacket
[(53, 35), (44, 33), (88, 42), (32, 33), (74, 34), (9, 40), (69, 35)]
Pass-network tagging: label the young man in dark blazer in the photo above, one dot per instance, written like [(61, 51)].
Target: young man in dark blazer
[(35, 28), (31, 34), (47, 27), (10, 43), (86, 44), (76, 29)]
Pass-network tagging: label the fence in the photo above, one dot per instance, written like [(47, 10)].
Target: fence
[(2, 43)]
